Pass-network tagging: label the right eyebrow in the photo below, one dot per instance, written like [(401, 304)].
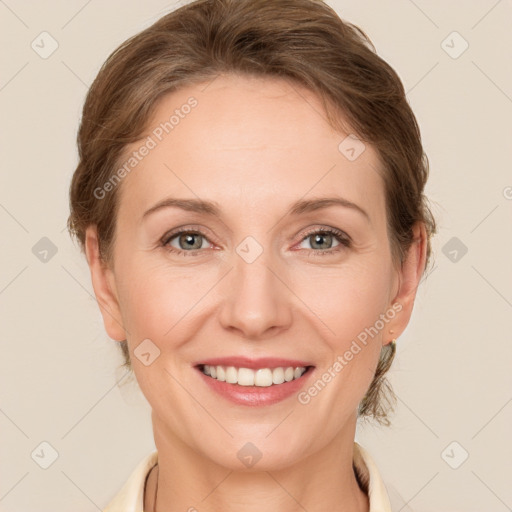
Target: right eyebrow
[(192, 205)]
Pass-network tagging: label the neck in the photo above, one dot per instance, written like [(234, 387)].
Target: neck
[(185, 480)]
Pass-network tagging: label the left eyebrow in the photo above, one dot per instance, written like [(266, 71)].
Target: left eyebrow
[(310, 205), (212, 208)]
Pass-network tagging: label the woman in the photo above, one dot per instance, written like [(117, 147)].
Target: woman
[(250, 201)]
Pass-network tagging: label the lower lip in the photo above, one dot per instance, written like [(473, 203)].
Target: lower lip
[(256, 395)]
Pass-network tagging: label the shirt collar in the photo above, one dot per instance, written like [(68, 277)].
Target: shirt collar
[(131, 496)]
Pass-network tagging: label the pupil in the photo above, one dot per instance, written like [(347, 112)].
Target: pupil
[(320, 237), (189, 239)]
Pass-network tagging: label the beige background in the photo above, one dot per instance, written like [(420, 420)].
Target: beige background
[(452, 373)]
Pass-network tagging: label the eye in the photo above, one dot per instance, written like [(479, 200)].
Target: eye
[(190, 241), (185, 241), (323, 240)]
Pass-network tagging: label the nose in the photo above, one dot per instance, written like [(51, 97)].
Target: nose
[(256, 302)]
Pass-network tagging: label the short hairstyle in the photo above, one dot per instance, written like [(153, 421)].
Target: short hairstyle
[(301, 41)]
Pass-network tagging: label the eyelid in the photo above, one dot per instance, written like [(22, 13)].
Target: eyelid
[(327, 229), (344, 239), (191, 229), (184, 229)]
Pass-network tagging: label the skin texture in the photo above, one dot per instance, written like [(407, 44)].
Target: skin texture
[(254, 146)]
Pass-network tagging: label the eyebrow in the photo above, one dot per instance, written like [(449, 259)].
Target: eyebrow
[(212, 208)]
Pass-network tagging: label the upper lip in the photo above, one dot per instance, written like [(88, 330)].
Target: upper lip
[(246, 362)]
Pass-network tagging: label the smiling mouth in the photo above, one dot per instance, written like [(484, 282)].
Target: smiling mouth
[(261, 377)]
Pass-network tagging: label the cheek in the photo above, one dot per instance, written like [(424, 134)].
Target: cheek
[(346, 300), (348, 306), (156, 297)]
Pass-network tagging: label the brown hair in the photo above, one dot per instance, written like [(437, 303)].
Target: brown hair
[(302, 41)]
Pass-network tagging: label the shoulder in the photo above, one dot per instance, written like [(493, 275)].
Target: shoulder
[(383, 497), (130, 497)]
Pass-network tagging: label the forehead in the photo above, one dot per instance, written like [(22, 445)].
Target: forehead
[(247, 141)]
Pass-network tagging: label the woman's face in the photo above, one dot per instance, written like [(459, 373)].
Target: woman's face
[(252, 280)]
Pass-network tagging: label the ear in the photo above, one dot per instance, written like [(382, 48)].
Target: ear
[(409, 276), (103, 282)]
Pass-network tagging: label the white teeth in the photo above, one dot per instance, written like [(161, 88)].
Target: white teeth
[(288, 374), (231, 375), (263, 377), (278, 376), (245, 377), (221, 373)]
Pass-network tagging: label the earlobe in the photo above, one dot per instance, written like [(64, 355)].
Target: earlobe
[(104, 287), (409, 278)]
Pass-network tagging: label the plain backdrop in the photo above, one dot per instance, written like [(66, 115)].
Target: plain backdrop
[(449, 446)]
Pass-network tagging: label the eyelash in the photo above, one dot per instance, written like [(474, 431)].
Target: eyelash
[(343, 239)]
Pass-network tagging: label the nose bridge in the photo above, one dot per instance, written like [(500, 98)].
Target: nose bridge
[(255, 300)]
